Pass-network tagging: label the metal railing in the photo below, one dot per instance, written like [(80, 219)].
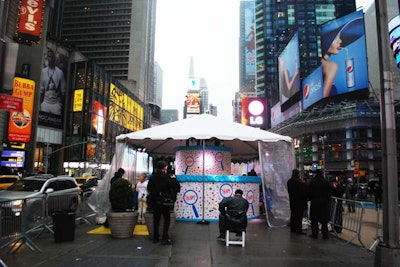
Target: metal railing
[(347, 214), (21, 218)]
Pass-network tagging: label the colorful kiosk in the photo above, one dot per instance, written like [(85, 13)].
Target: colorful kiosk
[(201, 192)]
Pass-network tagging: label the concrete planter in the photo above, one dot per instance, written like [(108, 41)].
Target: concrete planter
[(122, 224), (149, 223)]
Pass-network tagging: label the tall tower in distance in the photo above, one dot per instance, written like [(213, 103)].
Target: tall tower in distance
[(197, 94)]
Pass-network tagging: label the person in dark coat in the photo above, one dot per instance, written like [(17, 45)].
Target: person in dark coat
[(160, 183), (298, 201), (233, 211), (117, 174), (319, 194)]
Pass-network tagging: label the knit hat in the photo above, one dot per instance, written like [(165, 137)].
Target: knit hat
[(348, 32)]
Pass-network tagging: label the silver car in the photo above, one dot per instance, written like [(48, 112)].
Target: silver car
[(40, 196)]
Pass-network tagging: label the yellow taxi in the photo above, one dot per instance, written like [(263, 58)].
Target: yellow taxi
[(86, 182), (7, 180)]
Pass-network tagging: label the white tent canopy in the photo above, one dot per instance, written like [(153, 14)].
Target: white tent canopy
[(242, 139), (274, 151)]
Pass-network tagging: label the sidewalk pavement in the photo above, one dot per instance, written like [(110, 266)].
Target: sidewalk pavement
[(194, 245)]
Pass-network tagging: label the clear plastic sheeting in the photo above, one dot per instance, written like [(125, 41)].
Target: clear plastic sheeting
[(125, 158), (277, 163)]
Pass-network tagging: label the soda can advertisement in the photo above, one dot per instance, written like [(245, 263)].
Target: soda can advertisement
[(344, 57), (350, 80)]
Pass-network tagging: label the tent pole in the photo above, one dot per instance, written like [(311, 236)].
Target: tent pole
[(204, 149)]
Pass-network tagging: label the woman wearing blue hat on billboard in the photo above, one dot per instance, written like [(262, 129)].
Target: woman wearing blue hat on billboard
[(330, 68), (335, 38)]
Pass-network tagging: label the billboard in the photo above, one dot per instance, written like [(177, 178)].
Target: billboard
[(253, 112), (250, 37), (20, 123), (394, 37), (194, 84), (288, 69), (312, 88), (53, 86), (193, 103), (12, 158), (344, 57), (98, 118), (30, 19)]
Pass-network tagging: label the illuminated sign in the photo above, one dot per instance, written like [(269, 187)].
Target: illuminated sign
[(193, 103), (289, 73), (99, 118), (12, 158), (10, 103), (253, 112), (194, 84), (78, 100), (30, 21), (125, 111), (20, 123), (394, 37)]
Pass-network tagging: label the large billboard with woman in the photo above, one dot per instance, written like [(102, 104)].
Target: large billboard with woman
[(344, 60)]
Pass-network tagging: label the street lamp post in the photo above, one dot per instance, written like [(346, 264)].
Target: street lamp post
[(322, 139)]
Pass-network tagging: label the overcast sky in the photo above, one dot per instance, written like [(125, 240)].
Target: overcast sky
[(208, 30)]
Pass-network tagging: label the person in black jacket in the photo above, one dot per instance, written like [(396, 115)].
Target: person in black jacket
[(298, 201), (319, 193), (232, 207), (160, 184)]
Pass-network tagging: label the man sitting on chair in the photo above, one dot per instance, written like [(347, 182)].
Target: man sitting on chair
[(232, 214)]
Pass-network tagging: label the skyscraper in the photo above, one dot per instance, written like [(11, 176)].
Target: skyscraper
[(118, 35), (276, 22)]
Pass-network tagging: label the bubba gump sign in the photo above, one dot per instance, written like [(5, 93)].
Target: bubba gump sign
[(20, 123), (30, 20)]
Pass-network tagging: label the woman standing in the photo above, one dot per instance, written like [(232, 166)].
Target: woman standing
[(141, 189)]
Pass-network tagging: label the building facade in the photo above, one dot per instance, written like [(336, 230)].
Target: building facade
[(339, 132), (97, 52)]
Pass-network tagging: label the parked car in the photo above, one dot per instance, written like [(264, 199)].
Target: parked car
[(60, 193), (7, 180)]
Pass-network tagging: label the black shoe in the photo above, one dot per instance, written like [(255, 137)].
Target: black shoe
[(221, 238), (156, 241), (166, 242), (325, 237), (313, 236)]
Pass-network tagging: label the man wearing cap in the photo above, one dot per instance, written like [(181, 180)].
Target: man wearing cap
[(232, 208)]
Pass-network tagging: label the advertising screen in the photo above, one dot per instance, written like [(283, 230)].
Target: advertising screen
[(312, 88), (288, 67), (344, 58), (99, 118), (250, 37), (253, 112), (394, 37), (12, 158), (193, 103)]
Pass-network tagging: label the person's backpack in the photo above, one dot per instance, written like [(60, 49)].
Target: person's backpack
[(353, 190)]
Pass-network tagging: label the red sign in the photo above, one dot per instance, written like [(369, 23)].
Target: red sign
[(10, 103), (30, 20)]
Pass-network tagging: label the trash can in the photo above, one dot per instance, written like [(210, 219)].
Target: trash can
[(64, 226)]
